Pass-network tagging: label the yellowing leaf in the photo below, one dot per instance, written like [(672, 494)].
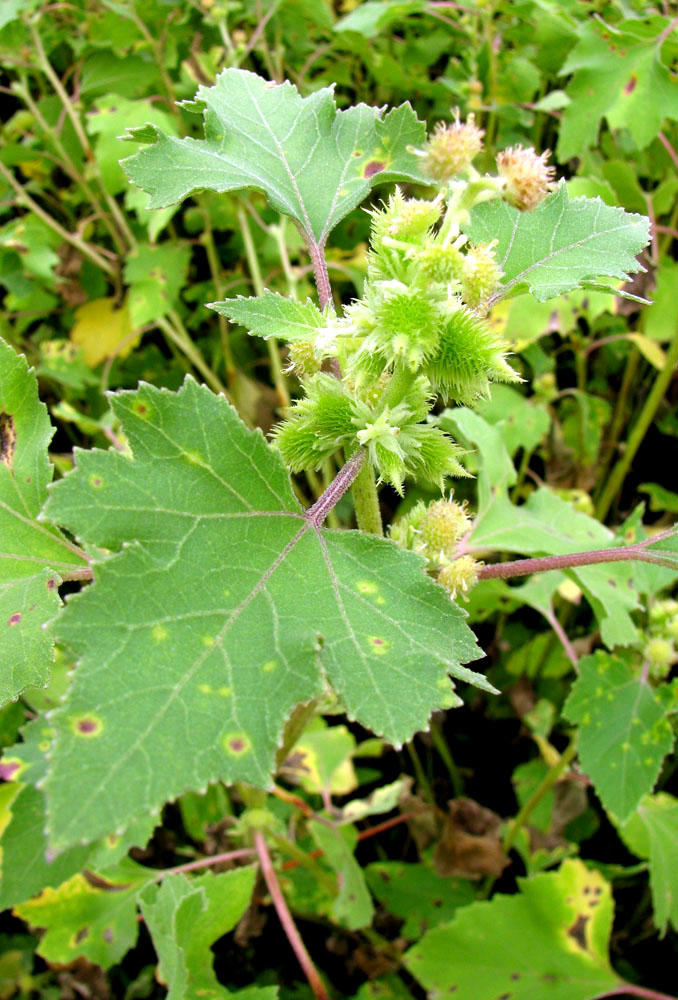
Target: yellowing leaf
[(102, 329), (651, 352)]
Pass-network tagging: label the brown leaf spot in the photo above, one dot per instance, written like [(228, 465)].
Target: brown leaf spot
[(578, 931), (51, 583), (631, 85), (82, 934), (15, 618), (108, 935), (373, 167), (7, 439), (87, 726), (97, 882)]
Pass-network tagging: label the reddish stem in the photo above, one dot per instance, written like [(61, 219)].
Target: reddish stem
[(523, 567), (214, 859), (286, 919), (626, 989), (335, 491)]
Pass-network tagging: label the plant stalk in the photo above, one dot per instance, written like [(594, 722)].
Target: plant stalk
[(366, 499), (640, 428), (286, 919)]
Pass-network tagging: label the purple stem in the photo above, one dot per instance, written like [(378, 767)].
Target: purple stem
[(626, 989), (322, 278), (287, 920), (335, 491), (523, 567), (214, 859)]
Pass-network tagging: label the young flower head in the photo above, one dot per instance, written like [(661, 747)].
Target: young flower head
[(460, 574), (481, 275), (403, 219), (527, 176), (452, 148)]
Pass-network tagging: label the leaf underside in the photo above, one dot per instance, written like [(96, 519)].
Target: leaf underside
[(220, 609)]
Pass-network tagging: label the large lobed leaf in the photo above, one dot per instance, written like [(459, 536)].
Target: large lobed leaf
[(313, 162), (31, 554), (220, 608), (560, 244)]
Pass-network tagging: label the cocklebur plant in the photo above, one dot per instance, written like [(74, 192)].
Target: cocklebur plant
[(195, 638)]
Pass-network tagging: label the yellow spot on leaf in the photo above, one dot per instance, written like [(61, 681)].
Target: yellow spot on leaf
[(160, 633), (205, 688), (269, 666)]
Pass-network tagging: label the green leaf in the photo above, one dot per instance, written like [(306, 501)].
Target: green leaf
[(273, 315), (221, 607), (651, 833), (314, 163), (26, 864), (156, 275), (624, 734), (417, 895), (560, 243), (90, 915), (352, 906), (619, 74), (110, 116), (548, 942), (31, 554), (185, 918), (370, 17), (544, 525), (523, 422)]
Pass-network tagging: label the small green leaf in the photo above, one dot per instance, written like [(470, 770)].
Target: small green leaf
[(417, 895), (314, 163), (624, 734), (273, 315), (559, 244), (221, 607), (31, 554), (651, 833), (185, 918), (549, 942), (352, 906)]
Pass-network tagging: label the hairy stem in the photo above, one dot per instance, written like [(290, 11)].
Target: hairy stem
[(286, 919), (366, 499), (322, 278), (213, 859), (541, 564), (345, 478), (639, 431)]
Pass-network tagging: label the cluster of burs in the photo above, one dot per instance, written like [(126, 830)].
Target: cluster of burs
[(373, 376)]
